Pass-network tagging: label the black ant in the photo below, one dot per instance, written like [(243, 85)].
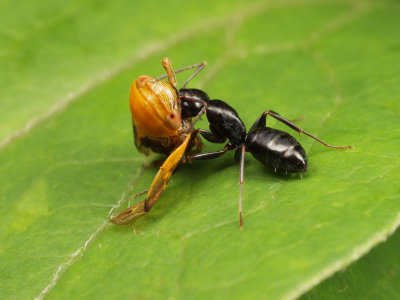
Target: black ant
[(274, 148), (162, 122)]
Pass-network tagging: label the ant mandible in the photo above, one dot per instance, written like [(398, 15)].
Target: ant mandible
[(274, 148)]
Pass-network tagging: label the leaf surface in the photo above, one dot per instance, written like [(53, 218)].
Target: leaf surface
[(375, 276), (63, 174)]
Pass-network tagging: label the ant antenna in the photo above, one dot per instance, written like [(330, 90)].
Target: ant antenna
[(199, 67), (167, 66)]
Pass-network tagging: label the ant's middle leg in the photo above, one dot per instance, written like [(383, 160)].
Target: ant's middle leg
[(261, 122), (211, 136)]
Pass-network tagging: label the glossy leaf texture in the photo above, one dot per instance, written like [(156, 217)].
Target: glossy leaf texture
[(67, 160)]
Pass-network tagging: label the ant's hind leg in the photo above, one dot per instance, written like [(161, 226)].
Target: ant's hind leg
[(261, 121)]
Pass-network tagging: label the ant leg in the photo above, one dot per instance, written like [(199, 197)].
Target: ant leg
[(211, 136), (209, 155), (294, 120), (241, 181), (212, 155), (199, 67), (261, 121)]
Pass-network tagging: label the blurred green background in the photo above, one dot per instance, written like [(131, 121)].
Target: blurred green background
[(67, 160)]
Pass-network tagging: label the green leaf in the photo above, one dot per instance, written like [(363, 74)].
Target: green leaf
[(375, 276), (67, 161)]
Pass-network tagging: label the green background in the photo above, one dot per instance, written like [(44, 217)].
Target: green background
[(67, 160)]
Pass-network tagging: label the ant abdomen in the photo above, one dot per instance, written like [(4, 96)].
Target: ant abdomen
[(277, 149)]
